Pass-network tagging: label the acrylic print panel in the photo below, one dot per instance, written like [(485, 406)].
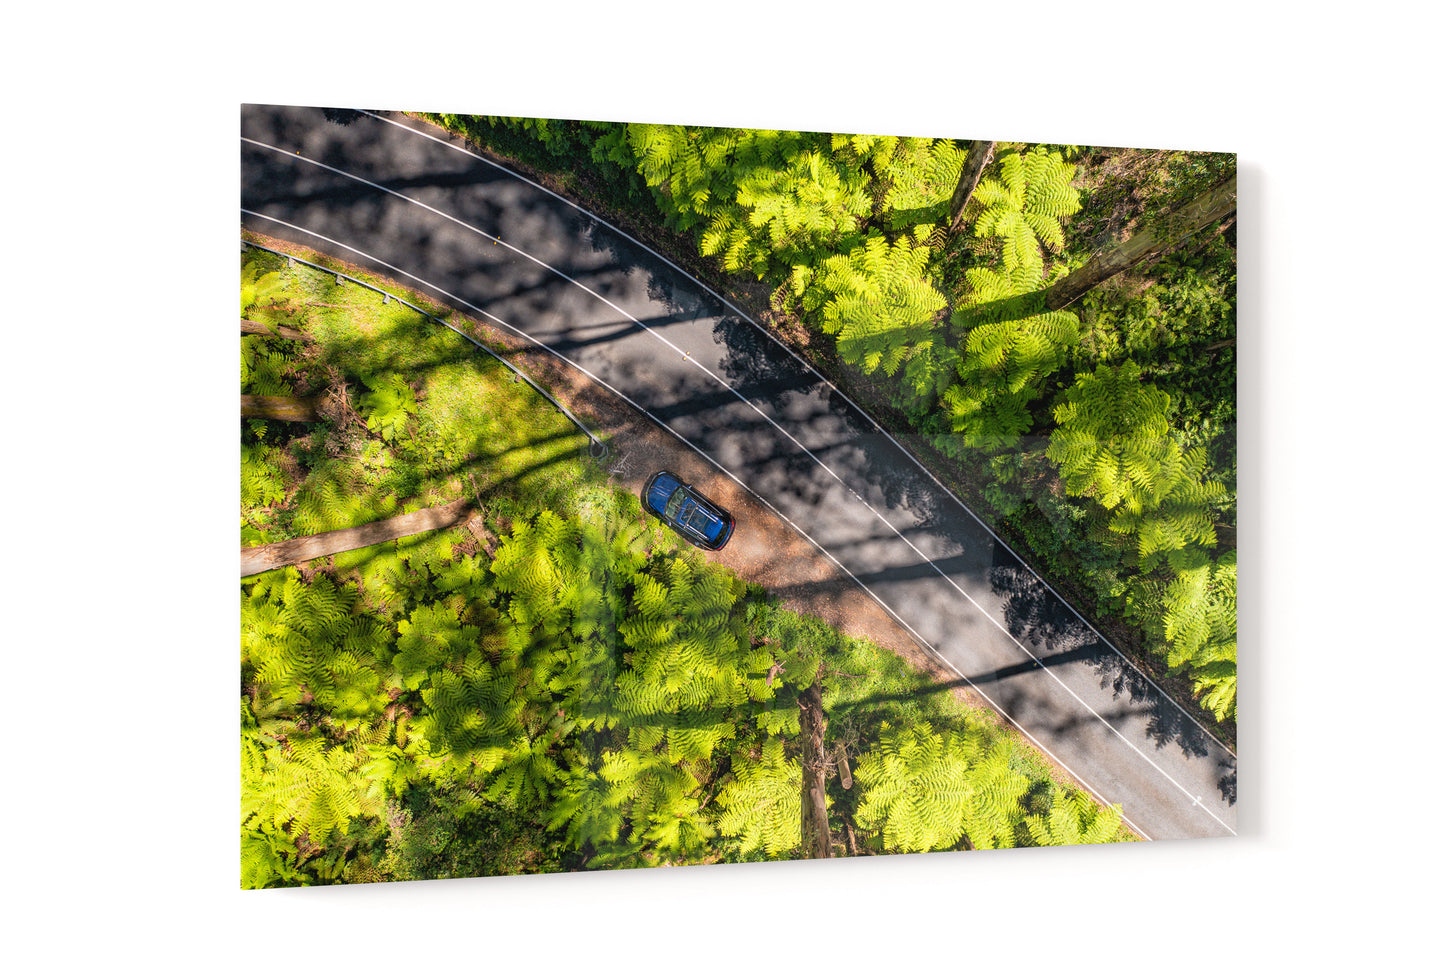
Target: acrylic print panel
[(943, 554)]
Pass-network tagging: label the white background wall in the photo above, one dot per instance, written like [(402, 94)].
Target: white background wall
[(121, 790)]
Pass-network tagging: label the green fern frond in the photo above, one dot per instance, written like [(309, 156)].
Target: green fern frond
[(762, 805)]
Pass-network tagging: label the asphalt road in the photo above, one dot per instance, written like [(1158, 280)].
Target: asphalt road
[(401, 199)]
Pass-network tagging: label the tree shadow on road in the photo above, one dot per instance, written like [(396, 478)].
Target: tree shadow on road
[(1039, 619)]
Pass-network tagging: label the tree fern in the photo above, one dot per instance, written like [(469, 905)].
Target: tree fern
[(524, 774), (761, 806), (431, 636), (336, 495), (268, 859), (1023, 205), (1012, 344), (1201, 627), (1183, 516), (1073, 819), (688, 167), (921, 174), (689, 659), (389, 403), (310, 643), (1112, 441), (924, 790), (469, 708), (389, 770), (264, 368), (263, 482), (1000, 372), (789, 199), (306, 786), (536, 566), (588, 807), (261, 294), (877, 301)]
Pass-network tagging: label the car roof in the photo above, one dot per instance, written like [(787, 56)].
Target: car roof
[(695, 513)]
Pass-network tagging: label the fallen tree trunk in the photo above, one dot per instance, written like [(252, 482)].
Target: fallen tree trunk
[(263, 558), (1175, 229), (282, 331), (280, 408)]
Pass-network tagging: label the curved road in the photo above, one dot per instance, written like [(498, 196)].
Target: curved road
[(405, 200)]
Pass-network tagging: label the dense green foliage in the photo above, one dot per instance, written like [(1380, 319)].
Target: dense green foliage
[(567, 688), (953, 329)]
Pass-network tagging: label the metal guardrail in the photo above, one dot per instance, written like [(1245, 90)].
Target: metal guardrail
[(596, 447)]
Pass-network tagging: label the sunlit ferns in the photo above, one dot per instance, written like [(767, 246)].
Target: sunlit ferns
[(689, 661), (689, 167), (1202, 629), (924, 790), (263, 482), (523, 774), (263, 363), (536, 567), (264, 367), (306, 787), (307, 643), (388, 404), (664, 806), (1012, 344), (565, 581), (761, 805), (791, 197), (1112, 441), (1113, 445), (389, 769), (1182, 517), (268, 858), (1022, 207), (920, 175), (1000, 373), (470, 708), (1072, 819), (336, 495), (588, 807), (430, 637), (260, 293), (876, 300), (1197, 609)]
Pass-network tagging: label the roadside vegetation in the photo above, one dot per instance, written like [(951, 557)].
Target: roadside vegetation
[(1052, 327), (551, 683)]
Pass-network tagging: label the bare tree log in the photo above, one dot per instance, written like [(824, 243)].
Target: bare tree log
[(263, 558), (814, 723), (980, 152), (280, 408), (282, 331)]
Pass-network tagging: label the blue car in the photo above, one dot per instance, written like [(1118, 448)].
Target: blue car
[(686, 512)]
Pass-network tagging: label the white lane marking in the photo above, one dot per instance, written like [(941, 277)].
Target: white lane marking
[(801, 447), (821, 377), (738, 481)]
